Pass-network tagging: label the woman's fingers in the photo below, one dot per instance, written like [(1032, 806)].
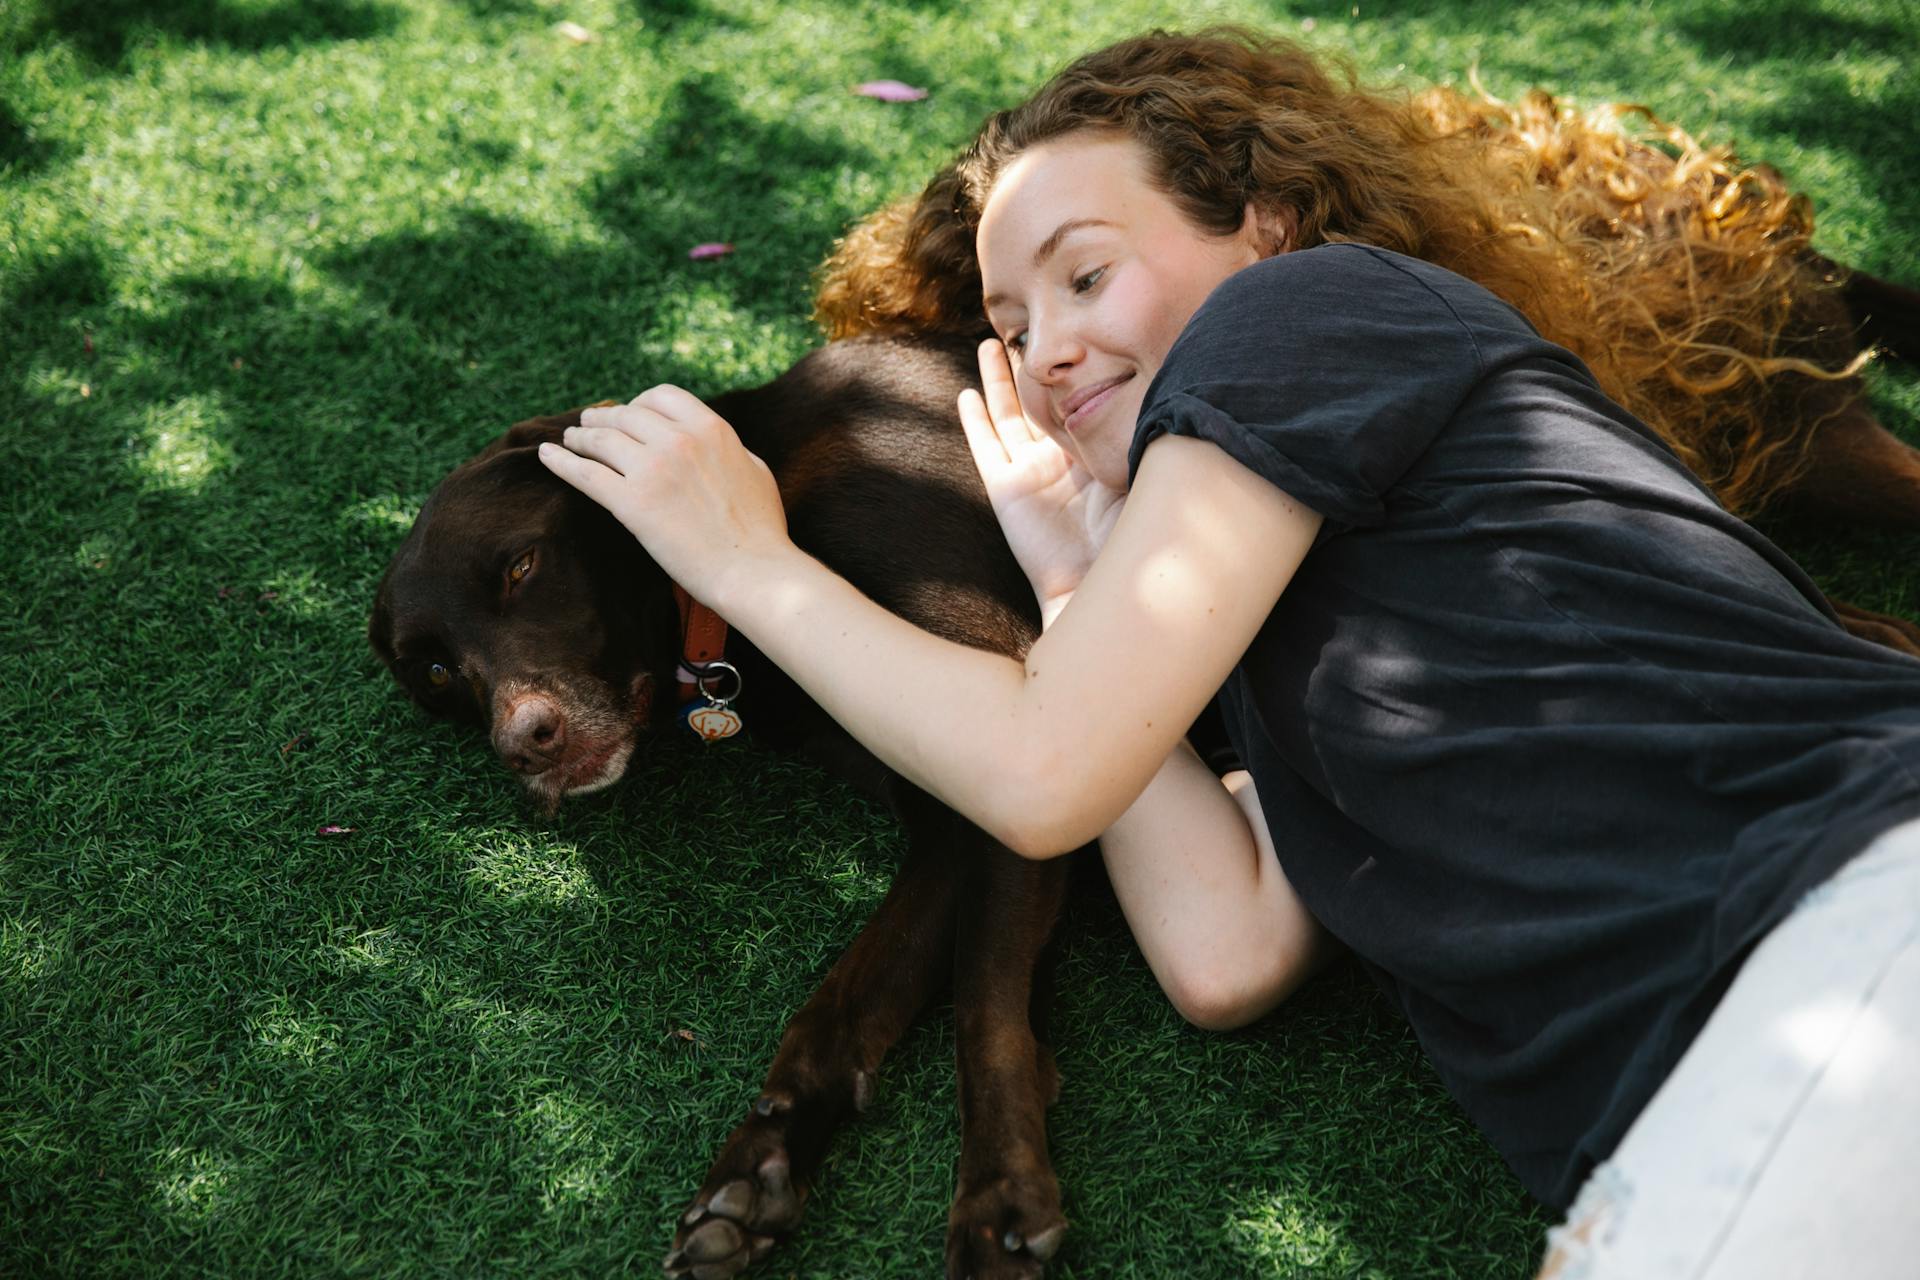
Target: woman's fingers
[(592, 478), (1003, 400), (614, 446), (989, 451), (673, 404)]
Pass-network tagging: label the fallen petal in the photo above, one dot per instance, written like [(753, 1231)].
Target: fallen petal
[(574, 32), (889, 91), (712, 249), (330, 829)]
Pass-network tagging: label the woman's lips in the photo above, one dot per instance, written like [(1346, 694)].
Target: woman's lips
[(1090, 404)]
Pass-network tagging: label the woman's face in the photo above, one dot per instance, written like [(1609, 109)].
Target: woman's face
[(1090, 272)]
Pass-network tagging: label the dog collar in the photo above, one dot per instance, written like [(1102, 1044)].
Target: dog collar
[(703, 666)]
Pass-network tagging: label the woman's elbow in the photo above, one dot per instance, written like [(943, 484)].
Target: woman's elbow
[(1228, 993), (1048, 817), (1218, 1005), (1038, 840)]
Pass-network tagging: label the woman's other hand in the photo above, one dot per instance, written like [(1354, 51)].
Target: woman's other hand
[(676, 475), (1055, 515)]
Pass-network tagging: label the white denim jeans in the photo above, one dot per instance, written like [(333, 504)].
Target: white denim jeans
[(1786, 1144)]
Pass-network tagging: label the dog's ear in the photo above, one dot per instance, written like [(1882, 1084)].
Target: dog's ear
[(541, 430)]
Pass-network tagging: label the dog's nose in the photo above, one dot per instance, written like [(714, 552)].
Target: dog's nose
[(532, 735)]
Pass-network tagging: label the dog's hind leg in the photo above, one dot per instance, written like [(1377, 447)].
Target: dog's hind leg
[(1856, 471), (1006, 1220), (1881, 628), (824, 1070), (1888, 314)]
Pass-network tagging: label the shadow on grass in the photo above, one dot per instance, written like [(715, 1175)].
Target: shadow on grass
[(676, 17), (1789, 30), (104, 31), (715, 151), (22, 151), (1803, 46), (1807, 51)]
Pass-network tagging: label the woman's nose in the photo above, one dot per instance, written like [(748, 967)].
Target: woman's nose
[(1051, 351)]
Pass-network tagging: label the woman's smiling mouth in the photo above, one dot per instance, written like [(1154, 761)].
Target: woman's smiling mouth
[(1084, 402)]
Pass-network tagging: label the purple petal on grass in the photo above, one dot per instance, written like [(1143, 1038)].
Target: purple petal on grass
[(889, 91), (712, 249), (330, 829)]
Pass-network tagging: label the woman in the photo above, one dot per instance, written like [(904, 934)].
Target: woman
[(1547, 738)]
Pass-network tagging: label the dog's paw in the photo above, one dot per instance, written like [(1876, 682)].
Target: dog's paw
[(750, 1200), (1005, 1228)]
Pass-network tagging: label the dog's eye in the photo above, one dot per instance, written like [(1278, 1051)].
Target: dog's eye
[(438, 676), (521, 568)]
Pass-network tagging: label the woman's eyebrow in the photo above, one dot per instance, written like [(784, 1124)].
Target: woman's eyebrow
[(1060, 233), (1047, 248)]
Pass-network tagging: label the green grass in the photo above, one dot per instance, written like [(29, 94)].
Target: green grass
[(267, 270)]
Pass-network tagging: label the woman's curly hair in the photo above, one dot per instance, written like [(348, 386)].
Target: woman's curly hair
[(1684, 280)]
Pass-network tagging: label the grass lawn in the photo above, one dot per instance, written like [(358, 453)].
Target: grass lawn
[(268, 268)]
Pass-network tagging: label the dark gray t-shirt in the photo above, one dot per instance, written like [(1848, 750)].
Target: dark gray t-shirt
[(1542, 734)]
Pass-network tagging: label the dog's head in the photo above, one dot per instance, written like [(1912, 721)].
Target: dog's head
[(520, 606)]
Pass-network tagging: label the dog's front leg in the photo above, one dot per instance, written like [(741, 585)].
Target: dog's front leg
[(1006, 1220), (824, 1070)]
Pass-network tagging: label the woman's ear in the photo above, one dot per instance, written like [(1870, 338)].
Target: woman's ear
[(1272, 230)]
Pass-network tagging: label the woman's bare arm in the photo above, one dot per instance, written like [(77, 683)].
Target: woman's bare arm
[(1194, 868), (1047, 755)]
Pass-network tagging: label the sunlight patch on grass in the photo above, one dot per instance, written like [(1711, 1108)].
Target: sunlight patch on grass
[(708, 328), (60, 387), (99, 553), (517, 872), (1280, 1231), (301, 593), (383, 950), (384, 514), (574, 1162), (194, 1186), (28, 953), (180, 448), (291, 1035)]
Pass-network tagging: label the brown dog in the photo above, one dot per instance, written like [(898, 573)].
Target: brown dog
[(519, 606)]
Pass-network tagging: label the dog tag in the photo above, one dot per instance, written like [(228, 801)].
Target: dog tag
[(714, 722)]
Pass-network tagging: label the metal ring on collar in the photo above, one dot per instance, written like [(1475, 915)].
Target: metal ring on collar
[(714, 671)]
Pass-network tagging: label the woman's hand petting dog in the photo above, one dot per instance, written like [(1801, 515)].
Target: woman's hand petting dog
[(676, 475)]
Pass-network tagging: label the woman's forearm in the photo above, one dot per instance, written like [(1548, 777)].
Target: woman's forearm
[(1196, 874), (953, 720)]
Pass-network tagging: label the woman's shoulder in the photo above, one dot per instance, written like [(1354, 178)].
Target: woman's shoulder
[(1349, 291), (1358, 276)]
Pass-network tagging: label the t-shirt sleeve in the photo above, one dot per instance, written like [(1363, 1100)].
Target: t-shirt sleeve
[(1328, 371)]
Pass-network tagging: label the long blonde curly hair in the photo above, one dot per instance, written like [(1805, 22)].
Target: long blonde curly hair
[(1684, 280)]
